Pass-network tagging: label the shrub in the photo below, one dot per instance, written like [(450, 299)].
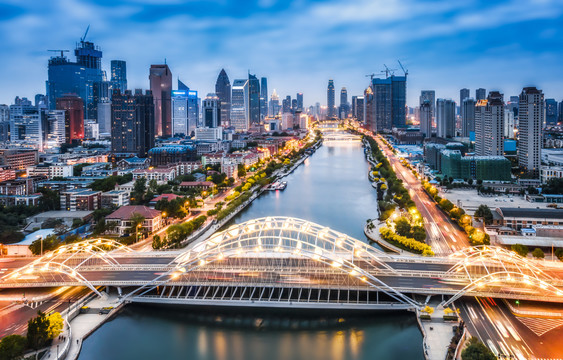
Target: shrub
[(405, 243), (538, 253)]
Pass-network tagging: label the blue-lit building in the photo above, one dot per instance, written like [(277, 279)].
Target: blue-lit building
[(83, 78), (389, 103), (171, 154), (119, 75), (185, 110), (253, 99)]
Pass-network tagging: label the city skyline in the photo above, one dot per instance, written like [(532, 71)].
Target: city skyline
[(342, 36)]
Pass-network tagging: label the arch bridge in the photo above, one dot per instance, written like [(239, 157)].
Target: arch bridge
[(283, 261)]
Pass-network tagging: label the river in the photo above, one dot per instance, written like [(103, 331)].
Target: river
[(330, 188)]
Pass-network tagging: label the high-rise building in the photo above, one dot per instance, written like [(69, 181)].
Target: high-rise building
[(223, 91), (26, 124), (263, 98), (193, 107), (468, 117), (74, 117), (55, 128), (160, 78), (509, 122), (104, 117), (343, 113), (429, 95), (180, 112), (132, 123), (4, 122), (560, 112), (426, 118), (286, 104), (40, 101), (354, 106), (274, 104), (531, 113), (253, 99), (80, 77), (240, 117), (480, 94), (119, 75), (389, 102), (299, 99), (399, 101), (211, 111), (331, 106), (445, 118), (463, 94), (492, 127), (550, 112), (369, 109), (359, 113)]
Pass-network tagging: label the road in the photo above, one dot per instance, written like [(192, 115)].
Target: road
[(492, 322), (444, 236)]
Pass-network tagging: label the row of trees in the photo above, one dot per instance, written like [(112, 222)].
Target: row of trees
[(405, 243), (476, 237), (538, 253), (41, 330), (176, 233)]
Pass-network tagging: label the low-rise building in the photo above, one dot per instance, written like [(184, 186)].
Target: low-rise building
[(18, 159), (115, 198), (171, 154), (518, 218), (51, 171), (161, 175), (122, 218), (7, 173), (198, 185), (133, 163), (549, 172), (212, 159), (188, 167), (81, 200)]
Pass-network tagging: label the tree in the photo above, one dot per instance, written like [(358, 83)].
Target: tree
[(56, 325), (418, 233), (38, 331), (554, 186), (538, 253), (136, 220), (470, 181), (241, 171), (520, 249), (12, 347), (139, 189), (403, 226), (476, 350), (484, 212), (50, 242), (446, 204), (559, 254)]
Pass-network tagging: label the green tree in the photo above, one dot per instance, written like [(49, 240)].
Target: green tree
[(484, 212), (50, 242), (418, 233), (12, 347), (139, 189), (476, 350), (559, 254), (241, 171), (403, 226), (38, 331), (520, 249), (446, 205), (554, 186), (136, 223), (538, 253)]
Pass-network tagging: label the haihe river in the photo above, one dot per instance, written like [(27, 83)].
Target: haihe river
[(330, 188)]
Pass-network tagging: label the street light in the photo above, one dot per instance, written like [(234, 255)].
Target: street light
[(137, 235)]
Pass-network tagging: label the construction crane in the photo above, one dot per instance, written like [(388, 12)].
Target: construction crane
[(61, 51), (388, 71), (86, 33), (371, 76), (403, 68)]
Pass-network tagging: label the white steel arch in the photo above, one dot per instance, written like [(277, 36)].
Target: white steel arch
[(288, 238)]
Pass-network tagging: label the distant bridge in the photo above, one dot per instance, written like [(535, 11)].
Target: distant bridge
[(288, 262)]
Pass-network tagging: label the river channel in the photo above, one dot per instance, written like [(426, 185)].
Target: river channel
[(330, 188)]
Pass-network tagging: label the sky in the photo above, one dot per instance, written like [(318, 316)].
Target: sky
[(298, 45)]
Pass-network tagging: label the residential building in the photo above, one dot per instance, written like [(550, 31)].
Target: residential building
[(6, 173), (209, 134), (445, 118), (81, 200), (26, 125), (161, 175), (55, 123), (531, 113), (468, 117), (430, 96), (133, 163), (480, 94), (550, 172), (453, 164), (463, 94), (123, 216), (114, 199), (18, 159), (426, 118), (489, 125), (160, 78), (197, 185), (171, 154)]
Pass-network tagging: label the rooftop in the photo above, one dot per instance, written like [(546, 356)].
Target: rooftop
[(126, 212), (531, 213)]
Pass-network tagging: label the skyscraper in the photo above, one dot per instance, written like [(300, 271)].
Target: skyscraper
[(426, 118), (463, 94), (299, 99), (445, 118), (223, 91), (26, 125), (55, 129), (331, 108), (369, 109), (180, 112), (80, 77), (560, 120), (211, 111), (132, 123), (398, 101), (468, 117), (359, 114), (494, 125), (550, 112), (74, 117), (286, 104), (263, 98), (253, 99), (160, 78), (274, 104), (119, 75), (343, 113), (480, 94), (240, 117), (531, 113)]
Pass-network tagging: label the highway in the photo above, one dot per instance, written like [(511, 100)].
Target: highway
[(443, 235)]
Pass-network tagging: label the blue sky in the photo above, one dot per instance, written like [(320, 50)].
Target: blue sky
[(298, 45)]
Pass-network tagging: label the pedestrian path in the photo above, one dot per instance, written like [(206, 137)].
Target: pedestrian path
[(437, 333)]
